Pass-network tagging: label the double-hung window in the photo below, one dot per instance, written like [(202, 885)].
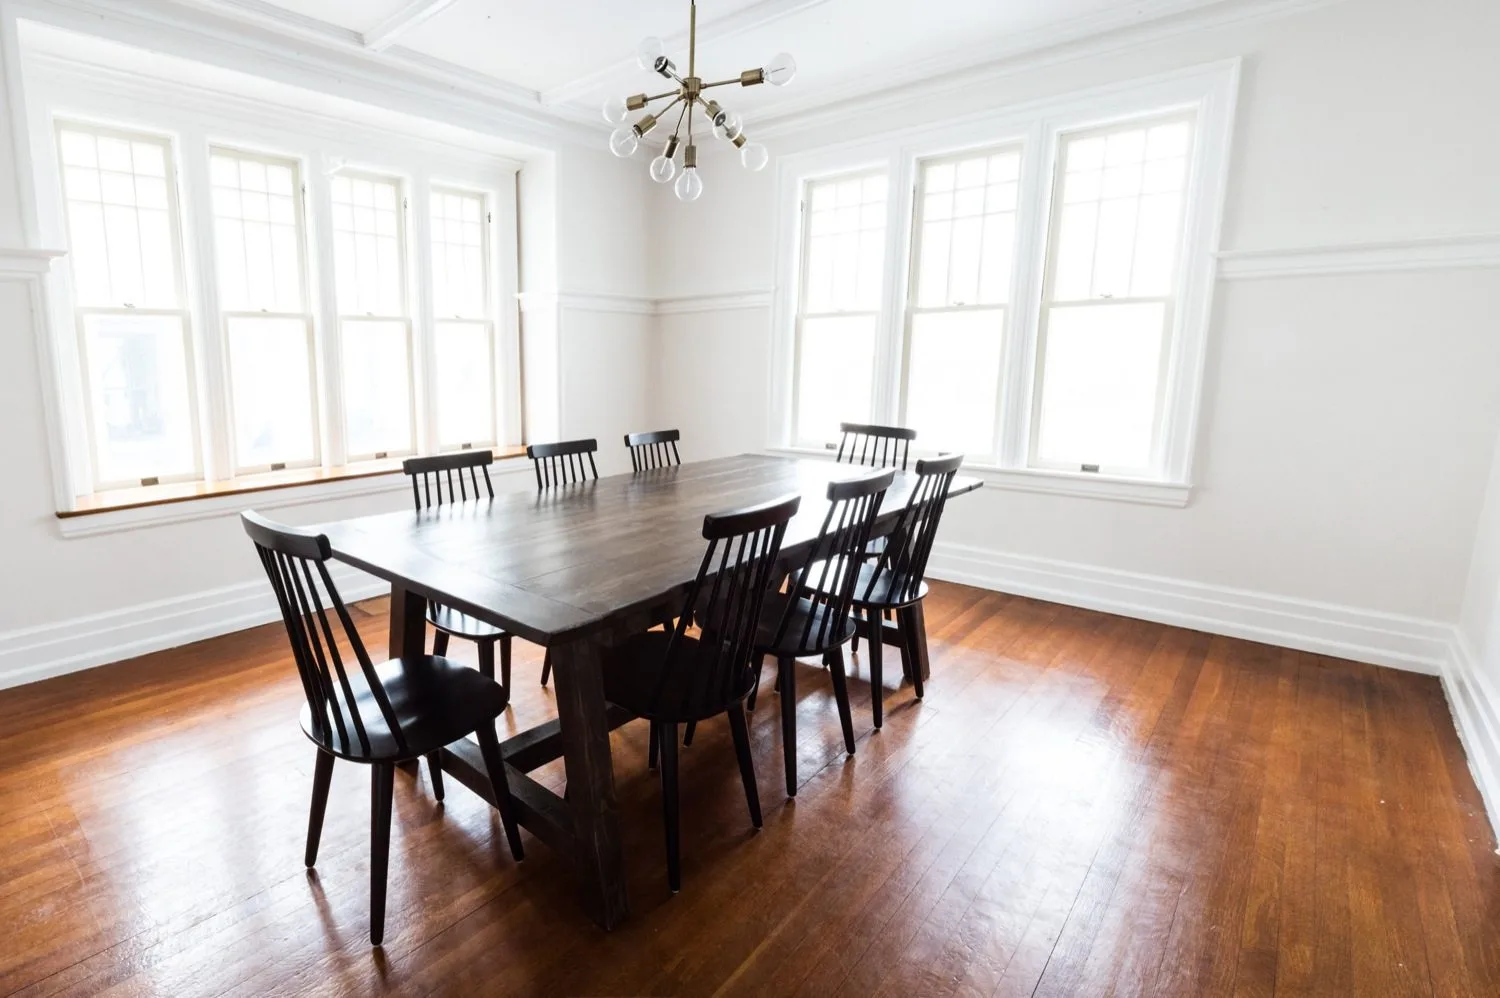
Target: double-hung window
[(369, 253), (131, 311), (463, 333), (259, 242)]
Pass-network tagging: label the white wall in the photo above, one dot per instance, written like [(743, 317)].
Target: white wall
[(1348, 420)]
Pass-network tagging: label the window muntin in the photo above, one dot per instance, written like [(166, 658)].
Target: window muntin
[(369, 243), (463, 333), (843, 260), (120, 197), (957, 304), (1108, 299), (267, 325)]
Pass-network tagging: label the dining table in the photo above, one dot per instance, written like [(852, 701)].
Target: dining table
[(576, 568)]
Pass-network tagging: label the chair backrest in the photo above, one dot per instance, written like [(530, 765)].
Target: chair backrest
[(657, 449), (705, 675), (903, 563), (296, 562), (875, 446), (429, 474), (853, 505), (563, 463)]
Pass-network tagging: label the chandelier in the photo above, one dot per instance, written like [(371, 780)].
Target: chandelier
[(688, 94)]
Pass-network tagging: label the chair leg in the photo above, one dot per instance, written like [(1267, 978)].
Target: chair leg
[(435, 769), (741, 732), (487, 658), (494, 763), (786, 667), (760, 660), (877, 690), (841, 696), (505, 662), (667, 739), (382, 785), (687, 736), (546, 666), (322, 776), (653, 747), (440, 643)]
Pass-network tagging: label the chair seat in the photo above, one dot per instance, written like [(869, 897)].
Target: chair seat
[(807, 631), (874, 590), (633, 679), (461, 625), (437, 701)]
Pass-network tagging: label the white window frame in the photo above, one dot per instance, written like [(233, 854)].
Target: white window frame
[(485, 318), (1208, 92), (299, 203), (183, 312)]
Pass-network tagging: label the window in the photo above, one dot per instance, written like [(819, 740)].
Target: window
[(369, 243), (464, 336), (965, 232), (134, 331), (267, 322), (1051, 319), (1107, 301)]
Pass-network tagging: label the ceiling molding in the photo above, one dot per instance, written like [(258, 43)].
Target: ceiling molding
[(984, 64), (745, 19), (1441, 253), (414, 13)]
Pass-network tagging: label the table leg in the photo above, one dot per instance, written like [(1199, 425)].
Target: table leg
[(584, 725), (408, 637), (919, 640)]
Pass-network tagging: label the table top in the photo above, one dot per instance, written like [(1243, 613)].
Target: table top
[(560, 564)]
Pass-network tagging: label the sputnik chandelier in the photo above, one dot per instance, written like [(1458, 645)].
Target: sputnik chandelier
[(726, 125)]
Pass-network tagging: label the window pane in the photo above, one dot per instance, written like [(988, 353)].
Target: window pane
[(458, 270), (140, 404), (271, 386), (953, 377), (967, 230), (845, 245), (835, 373), (258, 234), (466, 384), (121, 223), (377, 387), (367, 246), (1100, 384)]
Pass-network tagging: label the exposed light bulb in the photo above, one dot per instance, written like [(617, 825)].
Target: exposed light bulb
[(623, 141), (648, 51), (689, 186), (780, 70), (663, 168), (754, 156), (615, 110), (727, 125)]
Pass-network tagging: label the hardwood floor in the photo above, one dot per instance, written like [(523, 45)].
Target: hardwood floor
[(1083, 805)]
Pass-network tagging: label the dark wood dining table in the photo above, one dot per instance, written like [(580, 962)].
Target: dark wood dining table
[(574, 569)]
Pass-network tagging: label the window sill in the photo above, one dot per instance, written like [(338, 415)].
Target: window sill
[(1149, 492), (126, 509)]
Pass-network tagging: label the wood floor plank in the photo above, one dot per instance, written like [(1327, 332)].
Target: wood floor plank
[(1081, 805)]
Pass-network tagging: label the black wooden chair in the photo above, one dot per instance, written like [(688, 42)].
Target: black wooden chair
[(670, 678), (874, 446), (380, 715), (802, 623), (558, 464), (894, 581), (657, 449)]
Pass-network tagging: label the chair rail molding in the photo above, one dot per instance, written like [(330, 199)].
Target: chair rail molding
[(614, 301), (1428, 253)]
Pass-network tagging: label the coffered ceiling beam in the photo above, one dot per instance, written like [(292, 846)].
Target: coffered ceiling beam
[(381, 36)]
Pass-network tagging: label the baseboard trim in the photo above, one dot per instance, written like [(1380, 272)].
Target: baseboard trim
[(1408, 643), (1476, 715), (28, 655)]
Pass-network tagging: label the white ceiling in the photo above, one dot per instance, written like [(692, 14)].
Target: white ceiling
[(573, 54)]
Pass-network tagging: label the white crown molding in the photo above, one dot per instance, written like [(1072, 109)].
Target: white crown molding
[(1439, 253), (414, 13), (19, 263), (1475, 704), (1393, 640), (737, 22)]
